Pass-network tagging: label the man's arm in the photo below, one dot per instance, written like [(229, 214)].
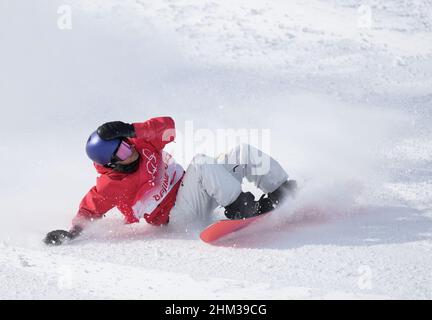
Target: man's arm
[(93, 206), (157, 131)]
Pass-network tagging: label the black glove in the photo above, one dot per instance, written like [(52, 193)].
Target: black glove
[(58, 237), (116, 129)]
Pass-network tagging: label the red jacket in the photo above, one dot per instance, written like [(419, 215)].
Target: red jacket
[(149, 192)]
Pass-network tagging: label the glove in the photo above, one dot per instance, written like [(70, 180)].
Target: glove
[(58, 237), (116, 129)]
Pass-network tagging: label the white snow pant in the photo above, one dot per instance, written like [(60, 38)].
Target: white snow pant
[(210, 182)]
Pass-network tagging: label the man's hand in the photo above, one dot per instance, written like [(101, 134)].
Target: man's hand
[(116, 129), (58, 237)]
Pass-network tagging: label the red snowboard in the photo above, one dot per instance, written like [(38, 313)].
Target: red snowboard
[(225, 227)]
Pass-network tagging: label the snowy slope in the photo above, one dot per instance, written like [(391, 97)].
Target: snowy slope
[(344, 86)]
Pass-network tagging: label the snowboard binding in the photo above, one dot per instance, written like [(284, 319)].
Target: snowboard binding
[(245, 205)]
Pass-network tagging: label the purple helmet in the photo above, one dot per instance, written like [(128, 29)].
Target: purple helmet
[(99, 150)]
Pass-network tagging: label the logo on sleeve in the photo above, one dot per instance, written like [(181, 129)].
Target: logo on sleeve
[(151, 163)]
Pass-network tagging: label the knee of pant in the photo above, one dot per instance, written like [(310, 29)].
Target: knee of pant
[(200, 159), (238, 150), (241, 153), (200, 162), (244, 148)]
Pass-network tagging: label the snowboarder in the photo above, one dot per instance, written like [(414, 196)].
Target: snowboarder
[(143, 181)]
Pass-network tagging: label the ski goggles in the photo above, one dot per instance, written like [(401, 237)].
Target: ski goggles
[(123, 152)]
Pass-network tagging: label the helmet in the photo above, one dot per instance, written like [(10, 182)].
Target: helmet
[(99, 150)]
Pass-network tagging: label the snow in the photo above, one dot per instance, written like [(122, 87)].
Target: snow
[(343, 86)]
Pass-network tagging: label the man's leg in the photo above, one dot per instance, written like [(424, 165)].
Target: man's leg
[(266, 173), (205, 185), (209, 182), (246, 161)]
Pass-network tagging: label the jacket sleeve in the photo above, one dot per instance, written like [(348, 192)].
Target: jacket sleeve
[(157, 131), (93, 206)]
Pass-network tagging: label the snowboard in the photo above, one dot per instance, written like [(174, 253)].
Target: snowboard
[(224, 227)]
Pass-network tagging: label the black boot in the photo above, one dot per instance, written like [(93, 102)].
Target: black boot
[(244, 206), (288, 188)]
